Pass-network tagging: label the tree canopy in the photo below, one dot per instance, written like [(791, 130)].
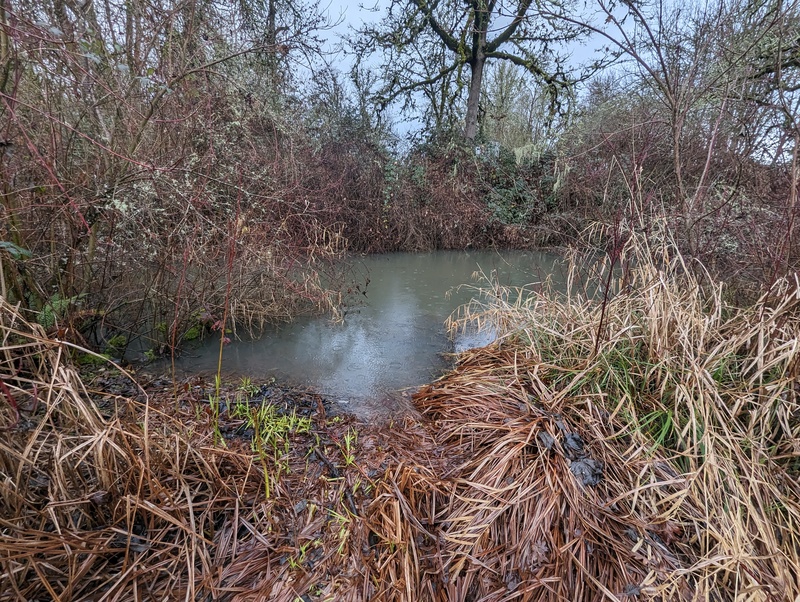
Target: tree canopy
[(429, 45)]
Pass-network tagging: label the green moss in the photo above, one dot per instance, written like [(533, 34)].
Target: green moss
[(116, 344), (56, 308), (193, 333), (91, 359)]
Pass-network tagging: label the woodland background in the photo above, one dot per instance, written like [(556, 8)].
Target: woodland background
[(168, 166)]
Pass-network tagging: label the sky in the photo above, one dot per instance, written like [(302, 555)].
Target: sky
[(350, 15)]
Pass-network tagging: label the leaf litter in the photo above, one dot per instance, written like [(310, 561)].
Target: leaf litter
[(646, 448)]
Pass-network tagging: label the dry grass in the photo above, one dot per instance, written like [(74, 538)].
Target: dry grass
[(110, 498), (646, 447)]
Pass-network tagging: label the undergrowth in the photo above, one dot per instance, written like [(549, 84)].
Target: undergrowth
[(687, 405), (636, 437)]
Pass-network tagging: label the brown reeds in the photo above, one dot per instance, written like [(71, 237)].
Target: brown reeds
[(108, 498), (640, 444)]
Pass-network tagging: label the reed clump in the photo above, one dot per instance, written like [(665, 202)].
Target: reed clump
[(634, 438), (637, 438), (106, 497)]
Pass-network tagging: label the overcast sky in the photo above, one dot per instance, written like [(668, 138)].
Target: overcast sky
[(351, 15)]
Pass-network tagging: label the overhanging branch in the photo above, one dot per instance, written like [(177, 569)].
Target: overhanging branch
[(522, 10), (443, 34), (394, 93), (529, 65)]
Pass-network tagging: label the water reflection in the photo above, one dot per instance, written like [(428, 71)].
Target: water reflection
[(393, 339)]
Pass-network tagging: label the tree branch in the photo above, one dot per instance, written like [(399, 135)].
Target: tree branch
[(529, 65), (384, 100), (427, 11), (522, 10)]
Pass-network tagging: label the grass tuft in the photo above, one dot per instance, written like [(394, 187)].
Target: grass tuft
[(634, 438)]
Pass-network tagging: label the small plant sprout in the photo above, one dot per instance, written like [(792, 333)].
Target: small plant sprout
[(343, 523), (347, 446), (247, 387), (296, 562), (271, 433)]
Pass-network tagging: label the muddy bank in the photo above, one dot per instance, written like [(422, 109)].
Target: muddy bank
[(116, 489), (640, 449)]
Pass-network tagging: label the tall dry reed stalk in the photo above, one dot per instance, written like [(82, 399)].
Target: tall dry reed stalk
[(641, 442), (104, 497)]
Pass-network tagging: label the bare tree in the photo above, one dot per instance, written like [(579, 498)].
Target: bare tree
[(698, 61), (462, 36), (280, 31), (515, 109)]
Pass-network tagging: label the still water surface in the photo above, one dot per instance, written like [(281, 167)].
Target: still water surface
[(394, 339)]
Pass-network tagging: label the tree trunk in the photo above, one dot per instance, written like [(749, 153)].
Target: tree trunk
[(272, 51), (6, 64), (474, 98), (272, 35)]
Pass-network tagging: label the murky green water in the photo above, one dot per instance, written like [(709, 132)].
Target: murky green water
[(394, 339)]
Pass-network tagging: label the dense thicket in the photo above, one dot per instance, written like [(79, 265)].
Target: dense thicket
[(155, 170), (170, 166), (700, 124)]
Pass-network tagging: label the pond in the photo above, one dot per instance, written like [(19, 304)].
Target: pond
[(394, 339)]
